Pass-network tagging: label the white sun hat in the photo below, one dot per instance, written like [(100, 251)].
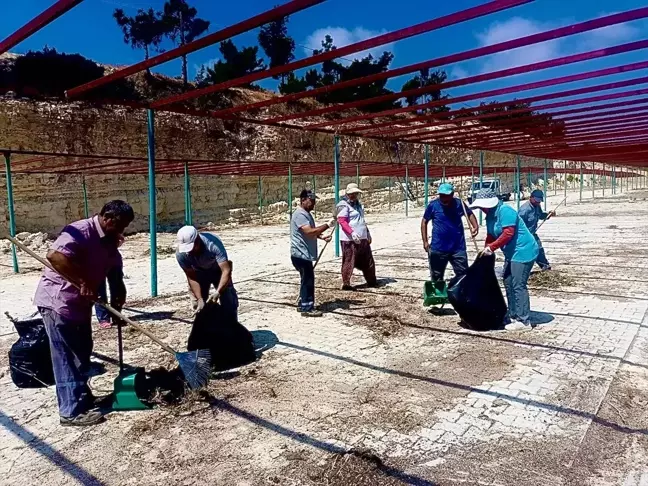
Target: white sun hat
[(353, 188), (485, 199)]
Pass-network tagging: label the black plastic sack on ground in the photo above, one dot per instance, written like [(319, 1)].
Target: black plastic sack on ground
[(30, 361), (476, 296), (229, 342)]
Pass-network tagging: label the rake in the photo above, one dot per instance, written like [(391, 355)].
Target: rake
[(195, 365)]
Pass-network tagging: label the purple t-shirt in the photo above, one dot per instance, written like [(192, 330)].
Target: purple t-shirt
[(85, 243)]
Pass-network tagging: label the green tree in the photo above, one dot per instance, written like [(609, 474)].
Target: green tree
[(144, 31), (278, 46), (292, 84), (235, 63), (424, 79), (333, 72), (182, 26)]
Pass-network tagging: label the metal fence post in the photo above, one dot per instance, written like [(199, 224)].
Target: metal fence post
[(10, 208), (187, 192), (406, 191), (152, 201), (426, 179), (86, 209), (336, 164), (545, 185), (517, 179)]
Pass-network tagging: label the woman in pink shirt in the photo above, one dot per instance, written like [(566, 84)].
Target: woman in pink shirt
[(355, 239)]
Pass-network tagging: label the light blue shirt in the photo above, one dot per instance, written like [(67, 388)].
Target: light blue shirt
[(531, 214), (209, 259), (523, 247)]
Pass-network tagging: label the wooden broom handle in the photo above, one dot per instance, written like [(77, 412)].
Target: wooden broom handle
[(105, 305)]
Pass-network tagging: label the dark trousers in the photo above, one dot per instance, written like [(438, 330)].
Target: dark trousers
[(439, 262), (307, 286), (70, 346), (358, 256), (542, 257), (102, 314), (228, 299)]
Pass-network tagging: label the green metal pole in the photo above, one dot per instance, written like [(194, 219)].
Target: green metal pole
[(389, 183), (604, 180), (443, 177), (545, 185), (313, 184), (290, 195), (10, 207), (358, 174), (152, 201), (426, 168), (187, 191), (406, 191), (481, 182), (260, 198), (593, 180), (581, 182), (336, 164), (517, 178), (86, 210), (565, 184)]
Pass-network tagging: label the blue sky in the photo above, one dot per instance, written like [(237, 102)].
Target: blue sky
[(90, 30)]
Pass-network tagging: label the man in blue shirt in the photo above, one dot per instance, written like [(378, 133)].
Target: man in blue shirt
[(448, 243), (203, 258), (531, 213)]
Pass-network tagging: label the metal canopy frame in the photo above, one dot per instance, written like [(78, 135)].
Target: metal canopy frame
[(601, 127)]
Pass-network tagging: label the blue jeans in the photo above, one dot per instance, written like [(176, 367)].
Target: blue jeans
[(438, 261), (102, 314), (542, 258), (516, 276), (307, 284), (70, 346)]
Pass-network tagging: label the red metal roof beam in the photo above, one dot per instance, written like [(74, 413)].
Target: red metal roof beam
[(37, 23), (434, 24), (226, 33), (445, 60), (491, 93)]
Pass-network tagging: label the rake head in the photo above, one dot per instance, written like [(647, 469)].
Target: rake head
[(196, 367)]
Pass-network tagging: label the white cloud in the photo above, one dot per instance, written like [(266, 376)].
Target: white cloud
[(611, 35), (343, 37), (457, 72), (514, 28)]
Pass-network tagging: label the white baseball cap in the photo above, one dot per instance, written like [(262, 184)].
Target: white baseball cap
[(353, 188), (186, 238)]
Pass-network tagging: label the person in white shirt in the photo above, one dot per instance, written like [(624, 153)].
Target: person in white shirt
[(355, 239)]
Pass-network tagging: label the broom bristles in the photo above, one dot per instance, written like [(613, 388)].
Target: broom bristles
[(196, 367)]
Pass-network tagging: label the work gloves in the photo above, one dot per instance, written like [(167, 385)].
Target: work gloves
[(355, 238), (213, 298), (486, 251), (200, 305), (332, 223)]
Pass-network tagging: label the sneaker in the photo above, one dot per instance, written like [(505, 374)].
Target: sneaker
[(312, 313), (105, 325), (517, 326), (545, 269), (83, 419), (347, 287)]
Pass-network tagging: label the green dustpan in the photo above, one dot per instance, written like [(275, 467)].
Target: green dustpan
[(126, 384), (435, 293)]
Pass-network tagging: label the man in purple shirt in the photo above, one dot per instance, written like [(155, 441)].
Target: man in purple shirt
[(85, 252)]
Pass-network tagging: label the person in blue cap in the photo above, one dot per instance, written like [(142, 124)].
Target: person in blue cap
[(505, 230), (531, 213), (448, 244)]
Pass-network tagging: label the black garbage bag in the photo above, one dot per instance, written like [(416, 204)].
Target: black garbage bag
[(30, 361), (230, 343), (476, 296)]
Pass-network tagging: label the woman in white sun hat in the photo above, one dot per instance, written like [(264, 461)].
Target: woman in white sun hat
[(507, 231), (355, 239)]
